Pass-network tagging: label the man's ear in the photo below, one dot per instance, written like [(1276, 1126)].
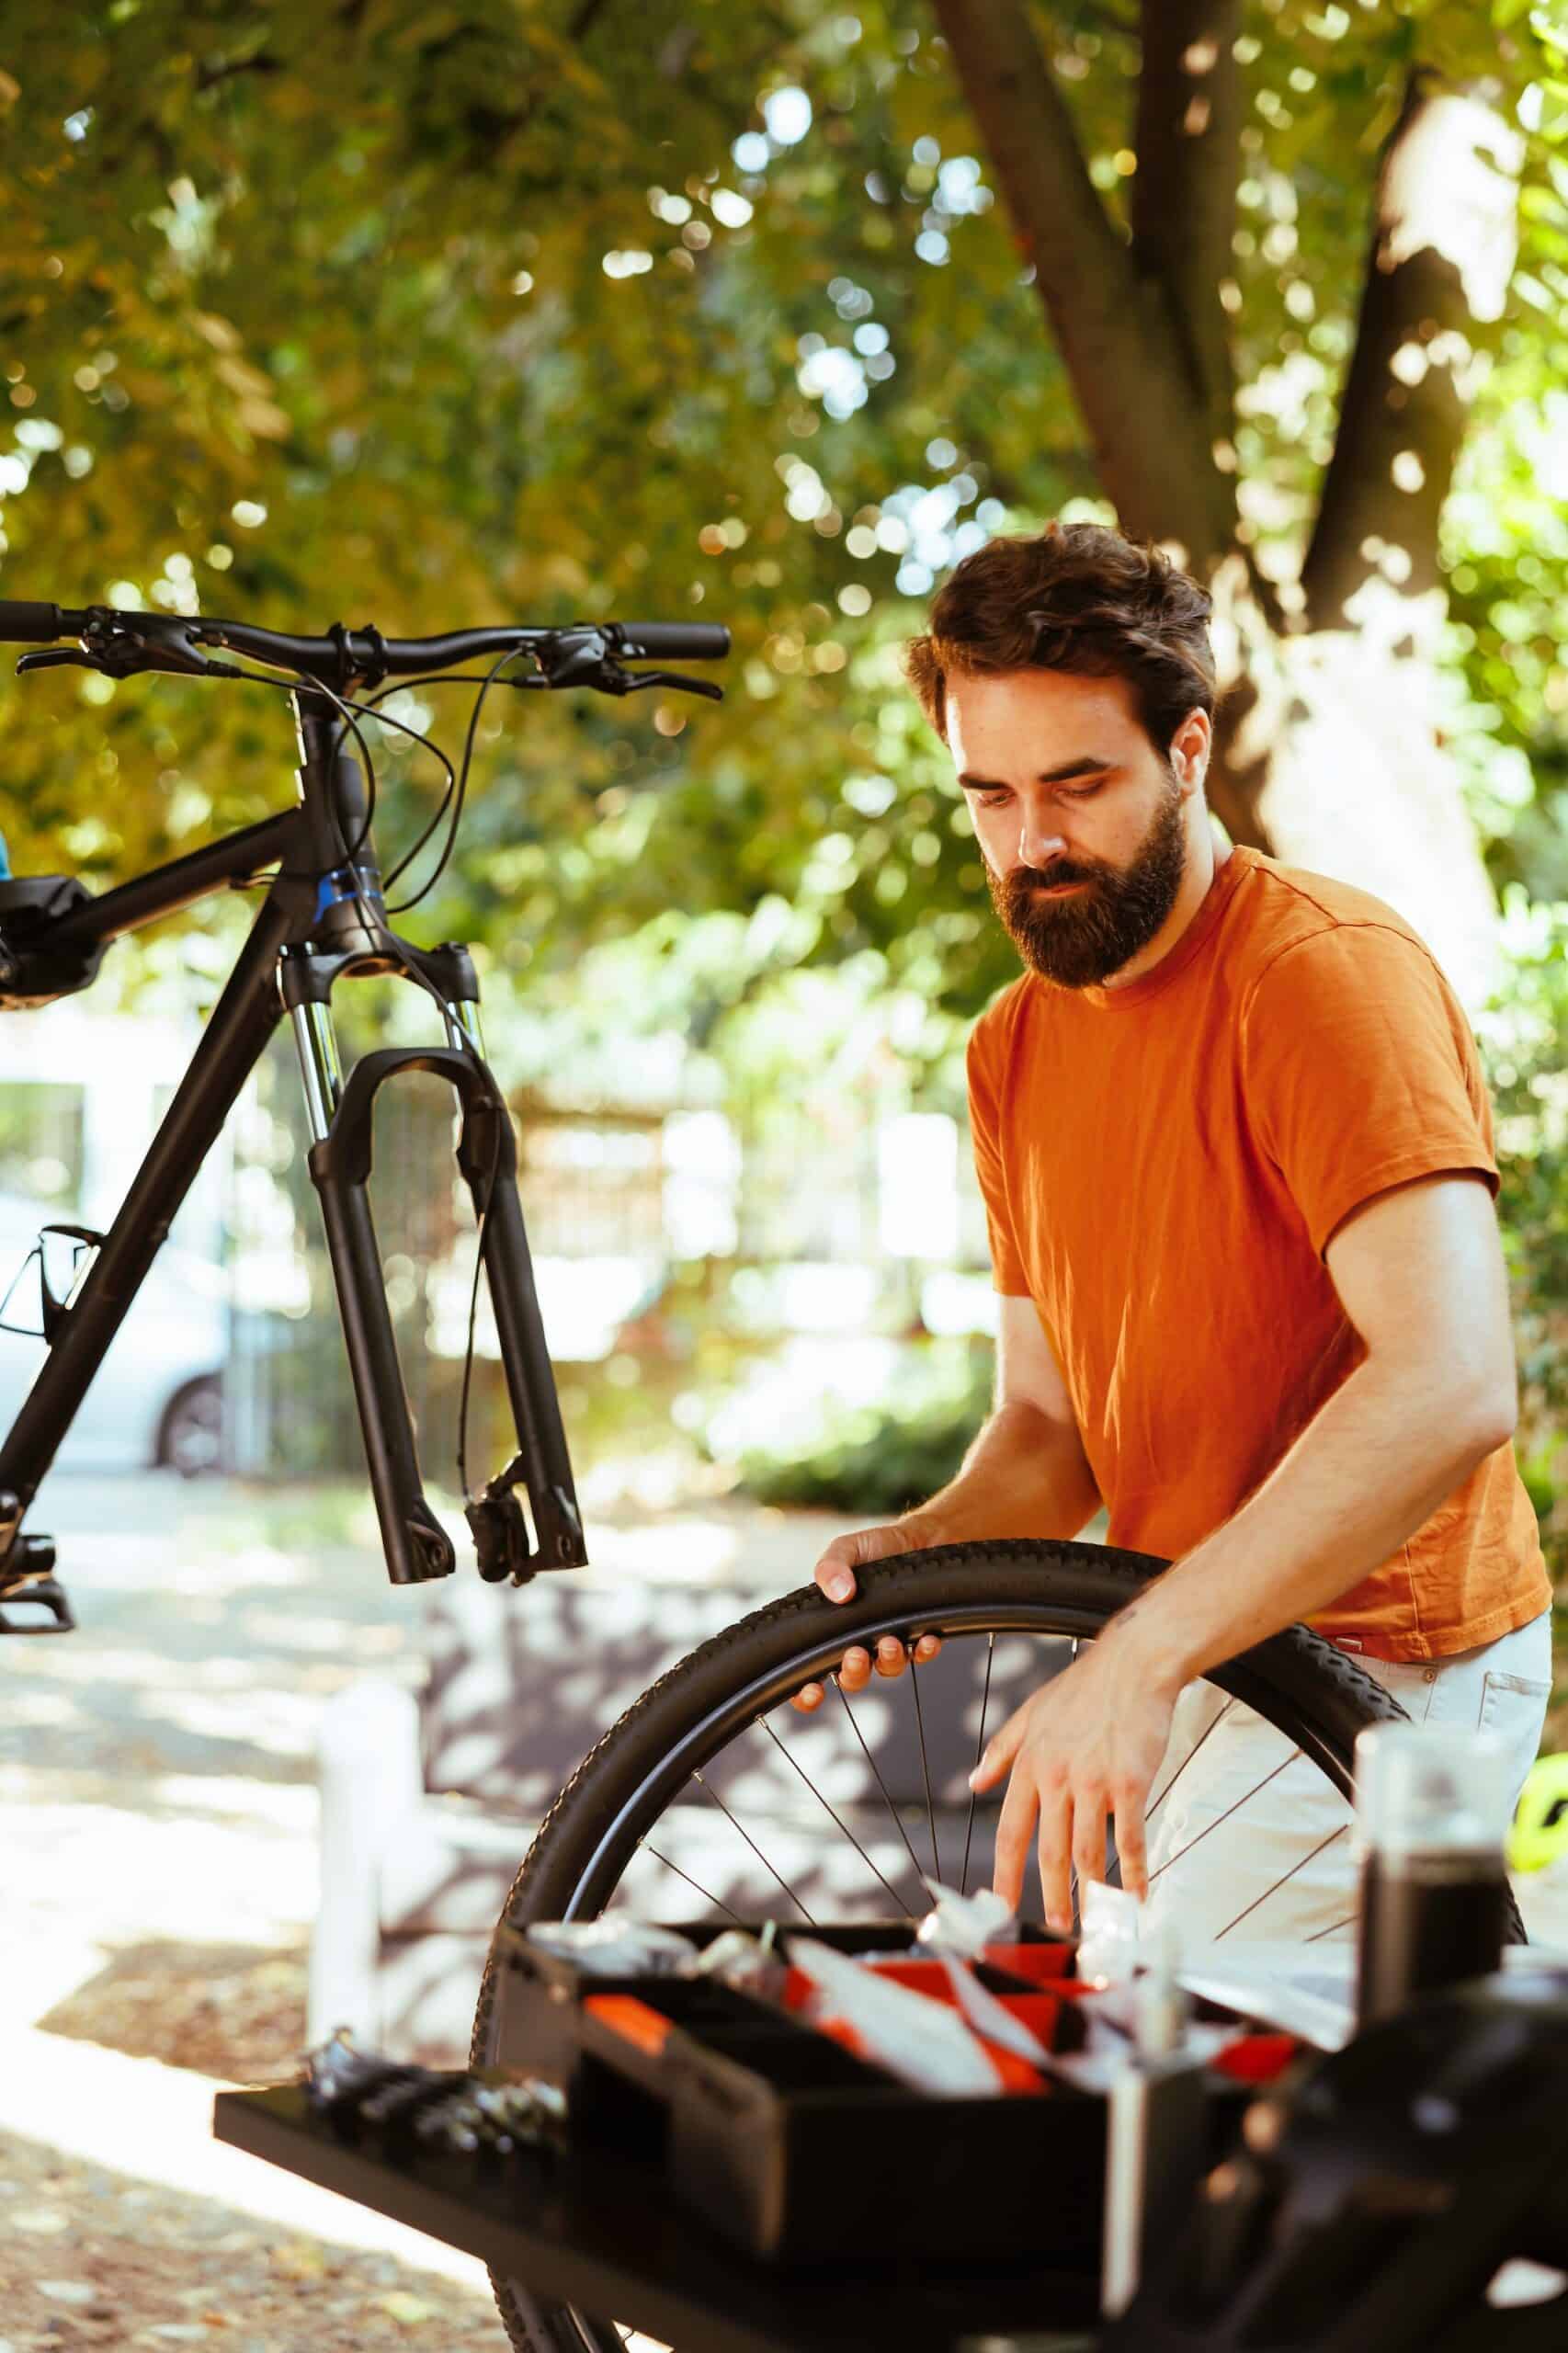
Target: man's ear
[(1193, 739)]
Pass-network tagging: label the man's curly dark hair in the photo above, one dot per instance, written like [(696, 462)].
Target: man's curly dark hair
[(1075, 596)]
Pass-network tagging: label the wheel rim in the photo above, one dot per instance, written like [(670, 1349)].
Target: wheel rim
[(765, 1692)]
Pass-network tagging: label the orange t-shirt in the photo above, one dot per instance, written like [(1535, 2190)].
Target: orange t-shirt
[(1162, 1165)]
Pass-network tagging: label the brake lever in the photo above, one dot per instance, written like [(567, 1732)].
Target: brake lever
[(53, 658), (676, 678), (114, 652), (168, 646)]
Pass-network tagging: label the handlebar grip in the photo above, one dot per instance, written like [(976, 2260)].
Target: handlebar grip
[(673, 641), (22, 624)]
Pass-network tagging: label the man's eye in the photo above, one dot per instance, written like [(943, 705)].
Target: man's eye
[(1085, 792)]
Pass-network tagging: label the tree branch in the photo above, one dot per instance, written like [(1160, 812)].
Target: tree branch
[(208, 77), (1149, 434), (1442, 251), (1184, 195)]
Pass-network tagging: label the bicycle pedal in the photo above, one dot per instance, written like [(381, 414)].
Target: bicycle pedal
[(43, 1593)]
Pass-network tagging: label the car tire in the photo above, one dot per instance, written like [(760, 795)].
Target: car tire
[(190, 1436)]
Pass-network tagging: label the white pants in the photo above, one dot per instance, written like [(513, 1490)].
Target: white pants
[(1245, 1834)]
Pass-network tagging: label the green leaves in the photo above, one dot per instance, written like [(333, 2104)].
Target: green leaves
[(428, 314)]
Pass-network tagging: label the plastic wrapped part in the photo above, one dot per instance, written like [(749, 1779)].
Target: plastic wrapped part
[(923, 2044), (612, 1947), (962, 1925), (747, 1964), (1163, 2008), (985, 2014), (1109, 1944)]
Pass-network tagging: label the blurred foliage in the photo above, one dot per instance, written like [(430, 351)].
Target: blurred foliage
[(1521, 1037), (884, 1457), (442, 313)]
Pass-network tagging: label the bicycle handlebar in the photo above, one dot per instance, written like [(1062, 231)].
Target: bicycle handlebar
[(34, 624), (352, 653)]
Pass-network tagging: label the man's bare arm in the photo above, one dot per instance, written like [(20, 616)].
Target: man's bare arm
[(1420, 1274), (1026, 1474)]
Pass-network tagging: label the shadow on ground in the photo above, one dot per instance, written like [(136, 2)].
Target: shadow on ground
[(236, 2012)]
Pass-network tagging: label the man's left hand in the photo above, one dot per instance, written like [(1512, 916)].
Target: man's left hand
[(1086, 1746)]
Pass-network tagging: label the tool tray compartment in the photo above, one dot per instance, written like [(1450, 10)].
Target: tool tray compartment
[(797, 2147)]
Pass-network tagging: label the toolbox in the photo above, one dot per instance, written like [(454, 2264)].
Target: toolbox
[(796, 2146)]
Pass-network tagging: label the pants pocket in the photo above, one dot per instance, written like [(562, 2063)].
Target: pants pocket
[(1514, 1706), (1525, 1684)]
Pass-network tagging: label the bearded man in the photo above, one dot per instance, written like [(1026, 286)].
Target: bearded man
[(1236, 1152)]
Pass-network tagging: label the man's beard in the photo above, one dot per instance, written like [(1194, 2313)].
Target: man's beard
[(1082, 939)]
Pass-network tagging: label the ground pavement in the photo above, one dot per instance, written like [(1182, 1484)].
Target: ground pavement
[(158, 1858)]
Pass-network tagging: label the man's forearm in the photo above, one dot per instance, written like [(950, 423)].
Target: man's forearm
[(1367, 1471), (1023, 1476)]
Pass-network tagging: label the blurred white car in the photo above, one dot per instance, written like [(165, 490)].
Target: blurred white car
[(157, 1397)]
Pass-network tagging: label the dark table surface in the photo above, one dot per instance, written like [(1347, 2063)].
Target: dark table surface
[(603, 2233)]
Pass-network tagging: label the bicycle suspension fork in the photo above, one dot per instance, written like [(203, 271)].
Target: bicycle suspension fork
[(340, 1113), (349, 934)]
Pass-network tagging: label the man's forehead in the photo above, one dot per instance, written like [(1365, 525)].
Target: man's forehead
[(1048, 704)]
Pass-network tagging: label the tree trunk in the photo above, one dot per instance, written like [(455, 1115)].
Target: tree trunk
[(1328, 751)]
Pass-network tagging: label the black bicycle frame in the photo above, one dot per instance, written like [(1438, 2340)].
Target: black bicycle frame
[(323, 918)]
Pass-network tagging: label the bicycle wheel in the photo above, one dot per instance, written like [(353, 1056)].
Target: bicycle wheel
[(713, 1797)]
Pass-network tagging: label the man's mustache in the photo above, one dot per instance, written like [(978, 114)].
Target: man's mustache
[(1025, 878)]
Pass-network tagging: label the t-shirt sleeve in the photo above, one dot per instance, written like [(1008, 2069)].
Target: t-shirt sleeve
[(1361, 1073), (985, 1132)]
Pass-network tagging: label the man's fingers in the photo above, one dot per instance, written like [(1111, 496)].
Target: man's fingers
[(835, 1576), (1055, 1862), (856, 1670), (1000, 1749), (1130, 1842), (891, 1656), (1090, 1806), (1012, 1829), (809, 1697), (926, 1647)]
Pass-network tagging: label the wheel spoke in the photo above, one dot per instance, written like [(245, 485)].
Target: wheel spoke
[(1113, 1875), (1219, 1818), (1299, 1864), (1332, 1930), (925, 1769), (979, 1753), (751, 1842), (717, 1901), (1156, 1803), (897, 1817), (763, 1725)]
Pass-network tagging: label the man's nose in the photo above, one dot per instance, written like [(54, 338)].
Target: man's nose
[(1040, 839)]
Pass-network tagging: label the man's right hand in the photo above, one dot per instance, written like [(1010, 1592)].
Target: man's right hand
[(835, 1573)]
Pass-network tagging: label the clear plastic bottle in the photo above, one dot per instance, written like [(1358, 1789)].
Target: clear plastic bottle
[(1432, 1805)]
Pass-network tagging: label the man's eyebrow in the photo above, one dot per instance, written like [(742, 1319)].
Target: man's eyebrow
[(1084, 767)]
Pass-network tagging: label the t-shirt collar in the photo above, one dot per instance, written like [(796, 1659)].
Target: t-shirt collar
[(1227, 878)]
